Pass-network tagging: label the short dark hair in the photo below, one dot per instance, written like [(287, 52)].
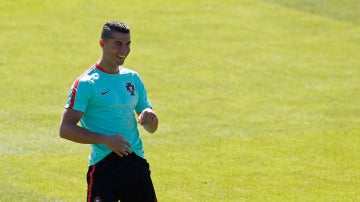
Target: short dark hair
[(113, 26)]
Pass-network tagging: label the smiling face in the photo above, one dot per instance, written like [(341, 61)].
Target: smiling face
[(115, 50)]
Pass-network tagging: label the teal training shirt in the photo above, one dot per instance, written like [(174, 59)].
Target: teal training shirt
[(108, 102)]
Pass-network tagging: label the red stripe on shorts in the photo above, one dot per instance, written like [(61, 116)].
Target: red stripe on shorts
[(91, 182)]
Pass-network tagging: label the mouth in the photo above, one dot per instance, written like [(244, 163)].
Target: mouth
[(121, 56)]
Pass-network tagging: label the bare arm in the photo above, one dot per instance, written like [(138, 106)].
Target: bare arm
[(71, 131), (148, 120)]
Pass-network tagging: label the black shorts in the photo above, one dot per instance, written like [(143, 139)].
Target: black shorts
[(120, 178)]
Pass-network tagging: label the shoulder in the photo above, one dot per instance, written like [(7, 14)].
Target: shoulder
[(130, 73), (127, 71), (85, 80), (89, 76)]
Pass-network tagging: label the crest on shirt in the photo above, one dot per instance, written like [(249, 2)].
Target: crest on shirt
[(130, 88)]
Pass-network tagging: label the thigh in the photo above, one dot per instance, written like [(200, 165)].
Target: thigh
[(100, 185), (120, 178), (139, 186), (99, 194), (140, 192)]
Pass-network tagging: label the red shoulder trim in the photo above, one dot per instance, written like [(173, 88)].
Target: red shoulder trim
[(74, 89), (100, 68)]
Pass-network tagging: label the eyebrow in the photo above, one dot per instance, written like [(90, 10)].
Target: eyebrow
[(120, 42)]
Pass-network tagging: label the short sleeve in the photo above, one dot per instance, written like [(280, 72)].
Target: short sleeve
[(78, 96), (143, 101)]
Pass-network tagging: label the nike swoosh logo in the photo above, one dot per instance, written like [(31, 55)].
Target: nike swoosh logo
[(104, 92)]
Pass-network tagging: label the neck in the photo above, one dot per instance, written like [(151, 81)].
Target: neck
[(108, 68)]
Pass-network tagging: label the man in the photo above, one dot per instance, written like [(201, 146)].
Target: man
[(103, 100)]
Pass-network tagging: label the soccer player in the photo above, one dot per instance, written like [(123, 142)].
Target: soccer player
[(104, 100)]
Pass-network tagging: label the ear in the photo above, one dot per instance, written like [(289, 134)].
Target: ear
[(101, 42)]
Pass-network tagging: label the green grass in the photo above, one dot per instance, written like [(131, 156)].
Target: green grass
[(346, 10), (257, 100)]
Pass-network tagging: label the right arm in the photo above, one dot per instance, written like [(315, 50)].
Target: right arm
[(71, 131)]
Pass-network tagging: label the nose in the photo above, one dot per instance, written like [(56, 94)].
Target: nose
[(124, 49)]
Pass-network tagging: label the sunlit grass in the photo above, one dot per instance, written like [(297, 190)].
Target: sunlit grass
[(257, 100)]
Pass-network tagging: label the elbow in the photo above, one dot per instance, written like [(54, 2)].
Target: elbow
[(62, 132)]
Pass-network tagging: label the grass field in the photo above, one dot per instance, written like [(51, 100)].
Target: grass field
[(258, 100)]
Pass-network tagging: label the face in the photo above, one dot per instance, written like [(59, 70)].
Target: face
[(116, 48)]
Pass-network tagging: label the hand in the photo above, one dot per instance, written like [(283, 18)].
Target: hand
[(118, 144), (148, 120)]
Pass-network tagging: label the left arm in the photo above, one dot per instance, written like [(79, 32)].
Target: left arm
[(149, 120)]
